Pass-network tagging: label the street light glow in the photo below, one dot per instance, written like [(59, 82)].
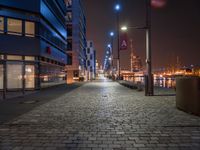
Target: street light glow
[(109, 46), (124, 28), (111, 33), (117, 7)]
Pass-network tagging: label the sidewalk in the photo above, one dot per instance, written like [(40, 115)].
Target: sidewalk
[(13, 107), (102, 115)]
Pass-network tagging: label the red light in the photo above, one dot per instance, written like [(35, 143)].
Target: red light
[(48, 50), (158, 3)]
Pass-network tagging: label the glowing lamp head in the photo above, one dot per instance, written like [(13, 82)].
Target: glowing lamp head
[(117, 7), (124, 28), (109, 46), (111, 33)]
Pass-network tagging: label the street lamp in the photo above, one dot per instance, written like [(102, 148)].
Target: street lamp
[(111, 49), (111, 34), (124, 28), (117, 9), (149, 77)]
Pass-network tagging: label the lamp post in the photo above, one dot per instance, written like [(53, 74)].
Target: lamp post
[(149, 77), (117, 9), (111, 48), (149, 80)]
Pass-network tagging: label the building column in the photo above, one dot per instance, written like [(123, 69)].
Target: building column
[(23, 77)]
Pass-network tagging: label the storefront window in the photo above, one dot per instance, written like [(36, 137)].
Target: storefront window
[(1, 24), (52, 75), (30, 29), (1, 76), (14, 75), (30, 76), (14, 26)]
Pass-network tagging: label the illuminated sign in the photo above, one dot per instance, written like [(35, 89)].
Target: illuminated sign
[(158, 3), (123, 41)]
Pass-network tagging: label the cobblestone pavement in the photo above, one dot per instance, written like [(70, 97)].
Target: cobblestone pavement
[(103, 115)]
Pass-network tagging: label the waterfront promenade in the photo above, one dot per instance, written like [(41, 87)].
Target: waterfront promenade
[(98, 115)]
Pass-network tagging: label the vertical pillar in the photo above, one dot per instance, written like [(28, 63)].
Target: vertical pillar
[(112, 68), (23, 76), (118, 46), (149, 82), (38, 75)]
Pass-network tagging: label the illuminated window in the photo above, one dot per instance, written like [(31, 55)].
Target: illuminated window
[(29, 28), (14, 26), (69, 16), (14, 57), (30, 76), (68, 3), (29, 58), (1, 57), (1, 24)]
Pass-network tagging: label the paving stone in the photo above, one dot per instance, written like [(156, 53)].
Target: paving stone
[(101, 116)]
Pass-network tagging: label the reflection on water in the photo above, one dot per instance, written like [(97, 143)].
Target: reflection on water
[(165, 82), (160, 82)]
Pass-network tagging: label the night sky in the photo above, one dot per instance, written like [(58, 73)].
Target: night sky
[(175, 30)]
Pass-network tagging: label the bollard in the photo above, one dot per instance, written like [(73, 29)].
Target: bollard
[(188, 94)]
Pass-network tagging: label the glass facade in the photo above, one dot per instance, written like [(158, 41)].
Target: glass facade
[(1, 76), (29, 28), (14, 75), (27, 36), (14, 26), (52, 75), (36, 74)]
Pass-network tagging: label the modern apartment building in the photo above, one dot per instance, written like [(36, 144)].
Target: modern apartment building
[(33, 40), (76, 27), (91, 60)]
